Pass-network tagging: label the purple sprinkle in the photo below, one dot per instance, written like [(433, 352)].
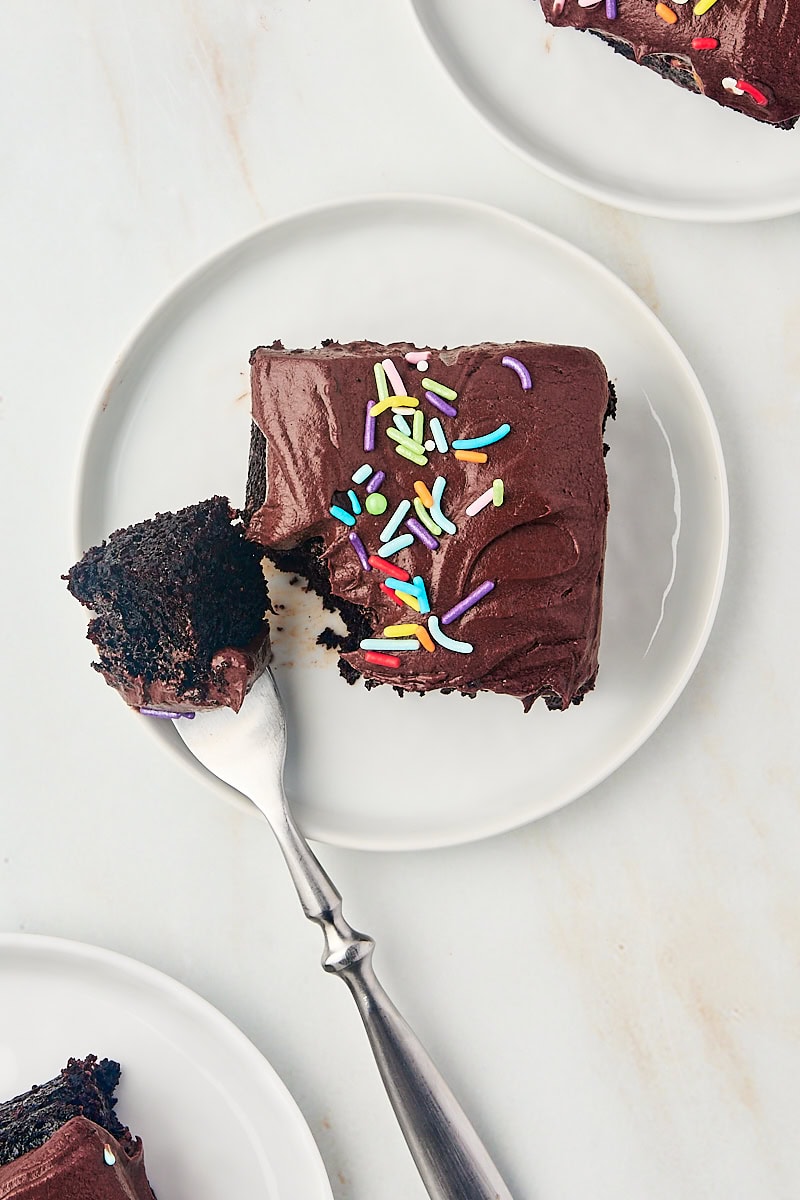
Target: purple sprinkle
[(369, 428), (468, 602), (375, 482), (421, 533), (514, 363), (161, 712), (611, 9), (441, 404), (360, 550)]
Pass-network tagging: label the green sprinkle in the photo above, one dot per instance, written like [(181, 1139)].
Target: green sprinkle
[(439, 389), (376, 504), (418, 427), (420, 459), (408, 442), (426, 518), (498, 492), (381, 382)]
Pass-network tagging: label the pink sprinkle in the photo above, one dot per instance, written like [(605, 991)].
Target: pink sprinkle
[(369, 428), (360, 550), (521, 370), (467, 603), (558, 7), (441, 404), (421, 533), (375, 482), (393, 375), (415, 356)]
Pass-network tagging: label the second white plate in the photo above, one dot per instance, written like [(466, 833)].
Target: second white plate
[(173, 428), (215, 1119), (610, 129)]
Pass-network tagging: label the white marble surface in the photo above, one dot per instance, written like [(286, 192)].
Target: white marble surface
[(613, 992)]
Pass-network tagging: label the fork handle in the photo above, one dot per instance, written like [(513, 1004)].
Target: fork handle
[(450, 1157)]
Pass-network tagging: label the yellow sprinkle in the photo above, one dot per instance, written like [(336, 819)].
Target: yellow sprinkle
[(423, 493), (411, 601), (667, 14), (703, 6), (393, 402), (417, 631), (472, 456)]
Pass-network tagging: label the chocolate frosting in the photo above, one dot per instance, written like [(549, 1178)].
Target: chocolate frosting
[(71, 1166), (537, 632), (759, 42), (230, 677)]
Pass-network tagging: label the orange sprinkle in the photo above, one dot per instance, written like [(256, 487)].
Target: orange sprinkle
[(423, 493), (472, 456), (666, 13), (425, 638)]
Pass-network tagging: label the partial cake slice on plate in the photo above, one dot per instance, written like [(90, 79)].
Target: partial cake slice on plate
[(450, 503), (62, 1140)]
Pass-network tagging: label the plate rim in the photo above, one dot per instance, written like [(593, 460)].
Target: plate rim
[(41, 947), (612, 197), (481, 211)]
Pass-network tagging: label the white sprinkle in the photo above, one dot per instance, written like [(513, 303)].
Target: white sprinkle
[(588, 3), (393, 375), (405, 412), (480, 503), (422, 365), (109, 1156), (438, 435), (430, 445), (730, 84), (362, 474)]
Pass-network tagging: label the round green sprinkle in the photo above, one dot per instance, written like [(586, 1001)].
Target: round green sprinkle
[(376, 504)]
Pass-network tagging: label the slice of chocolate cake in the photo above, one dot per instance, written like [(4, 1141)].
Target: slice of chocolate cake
[(450, 503), (62, 1140), (745, 54), (180, 603)]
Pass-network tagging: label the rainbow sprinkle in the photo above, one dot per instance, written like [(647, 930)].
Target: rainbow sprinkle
[(362, 474), (447, 642), (425, 517), (419, 459), (436, 507), (375, 482), (441, 404), (438, 435), (467, 603), (393, 376), (476, 456), (395, 521), (355, 503), (146, 711), (342, 515), (369, 429), (514, 363), (396, 545), (360, 550), (483, 500), (487, 439), (439, 389), (421, 534), (498, 493), (393, 644)]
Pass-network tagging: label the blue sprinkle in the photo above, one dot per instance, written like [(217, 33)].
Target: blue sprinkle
[(402, 424), (390, 644), (342, 515), (395, 520), (355, 503), (488, 439), (362, 474), (402, 585), (422, 595), (397, 544)]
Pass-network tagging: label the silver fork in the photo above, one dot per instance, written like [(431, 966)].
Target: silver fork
[(247, 750)]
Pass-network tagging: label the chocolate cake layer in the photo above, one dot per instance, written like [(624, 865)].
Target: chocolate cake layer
[(180, 603), (745, 54), (536, 632)]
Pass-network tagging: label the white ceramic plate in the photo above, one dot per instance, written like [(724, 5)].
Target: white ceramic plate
[(215, 1119), (173, 427), (604, 126)]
